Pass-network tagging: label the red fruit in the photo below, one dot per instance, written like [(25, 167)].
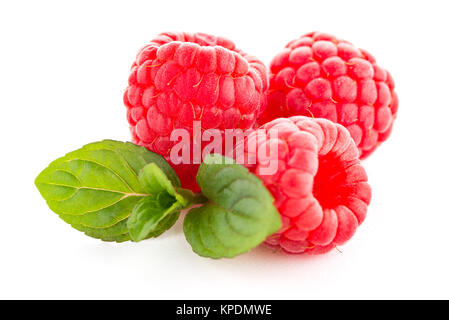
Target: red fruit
[(320, 188), (179, 78), (321, 76)]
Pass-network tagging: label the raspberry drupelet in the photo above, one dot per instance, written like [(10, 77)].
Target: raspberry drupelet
[(320, 187), (179, 78), (321, 76)]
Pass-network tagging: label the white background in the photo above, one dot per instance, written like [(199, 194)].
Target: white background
[(63, 69)]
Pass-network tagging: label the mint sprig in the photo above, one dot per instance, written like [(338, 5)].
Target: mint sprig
[(238, 216), (117, 191)]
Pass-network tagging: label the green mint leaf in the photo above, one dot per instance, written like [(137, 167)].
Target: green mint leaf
[(150, 219), (157, 212), (95, 188), (238, 216), (154, 181)]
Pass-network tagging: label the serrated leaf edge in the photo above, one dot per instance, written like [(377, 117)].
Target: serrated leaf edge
[(140, 150)]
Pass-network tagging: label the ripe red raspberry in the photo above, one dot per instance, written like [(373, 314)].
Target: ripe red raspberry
[(320, 188), (321, 76), (179, 78)]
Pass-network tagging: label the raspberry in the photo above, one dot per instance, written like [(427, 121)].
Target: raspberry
[(179, 78), (321, 76), (320, 188)]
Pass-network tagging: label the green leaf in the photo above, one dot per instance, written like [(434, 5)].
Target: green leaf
[(149, 218), (156, 213), (95, 188), (238, 216), (154, 181)]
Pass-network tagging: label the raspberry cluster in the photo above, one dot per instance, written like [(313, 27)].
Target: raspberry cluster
[(329, 103), (321, 76)]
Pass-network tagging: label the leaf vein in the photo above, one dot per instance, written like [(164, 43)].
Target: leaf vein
[(102, 165), (99, 209), (71, 173), (105, 227), (134, 194)]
